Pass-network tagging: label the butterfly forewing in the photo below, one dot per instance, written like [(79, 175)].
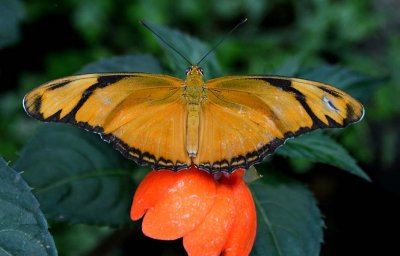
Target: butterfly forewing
[(142, 115)]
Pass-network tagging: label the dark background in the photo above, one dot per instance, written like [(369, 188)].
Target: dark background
[(43, 40)]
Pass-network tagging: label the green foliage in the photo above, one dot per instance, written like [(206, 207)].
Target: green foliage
[(91, 14), (23, 228), (77, 177), (11, 14), (10, 104), (289, 221), (317, 147)]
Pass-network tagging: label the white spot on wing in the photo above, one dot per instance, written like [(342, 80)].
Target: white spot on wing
[(329, 104)]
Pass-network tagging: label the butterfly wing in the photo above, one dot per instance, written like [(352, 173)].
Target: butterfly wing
[(248, 117), (142, 115)]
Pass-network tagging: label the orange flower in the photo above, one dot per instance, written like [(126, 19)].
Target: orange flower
[(212, 215)]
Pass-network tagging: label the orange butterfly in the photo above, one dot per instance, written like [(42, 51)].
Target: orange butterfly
[(218, 125)]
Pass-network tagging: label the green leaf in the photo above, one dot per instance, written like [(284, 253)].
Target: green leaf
[(11, 13), (317, 147), (190, 47), (127, 63), (291, 67), (76, 177), (23, 228), (289, 221)]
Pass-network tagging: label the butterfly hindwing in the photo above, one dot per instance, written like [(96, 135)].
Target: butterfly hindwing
[(142, 115), (252, 115)]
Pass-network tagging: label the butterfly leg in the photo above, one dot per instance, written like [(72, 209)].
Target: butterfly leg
[(203, 94)]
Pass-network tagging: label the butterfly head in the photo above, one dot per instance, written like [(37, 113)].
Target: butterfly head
[(194, 72)]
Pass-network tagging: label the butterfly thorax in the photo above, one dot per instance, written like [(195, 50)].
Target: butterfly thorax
[(194, 89), (194, 93)]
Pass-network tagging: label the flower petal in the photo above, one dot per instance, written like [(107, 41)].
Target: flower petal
[(209, 237), (243, 232), (153, 188), (185, 205)]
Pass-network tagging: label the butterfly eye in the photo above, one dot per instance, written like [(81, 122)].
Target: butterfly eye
[(188, 70), (201, 71)]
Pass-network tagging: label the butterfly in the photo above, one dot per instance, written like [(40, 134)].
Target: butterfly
[(218, 125)]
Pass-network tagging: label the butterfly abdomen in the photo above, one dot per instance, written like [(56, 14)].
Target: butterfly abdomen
[(192, 128)]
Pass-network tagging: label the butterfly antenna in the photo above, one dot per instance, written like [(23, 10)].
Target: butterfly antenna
[(164, 41), (222, 39)]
